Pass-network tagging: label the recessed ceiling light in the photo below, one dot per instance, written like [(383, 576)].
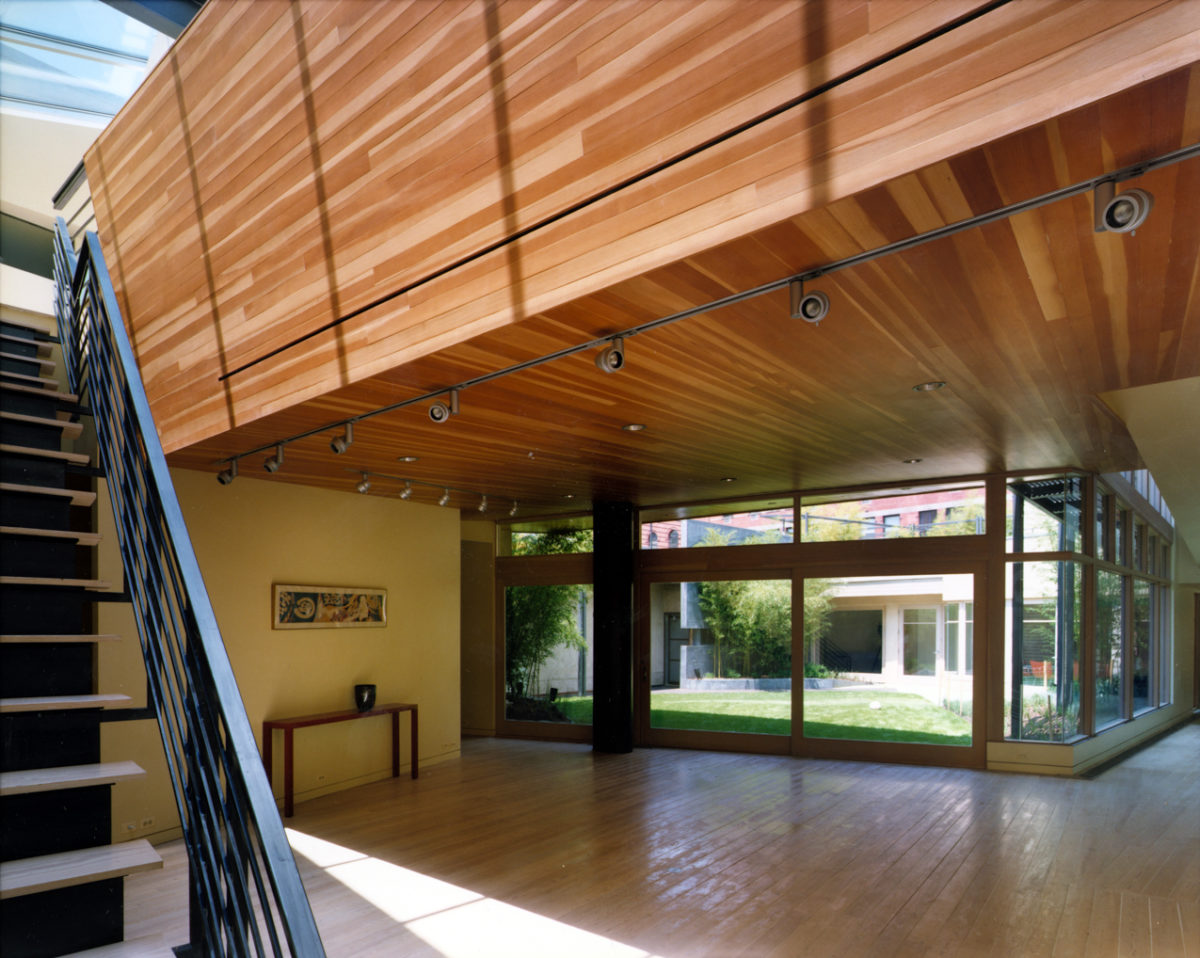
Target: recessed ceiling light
[(729, 478), (911, 462), (634, 427), (928, 387), (408, 459)]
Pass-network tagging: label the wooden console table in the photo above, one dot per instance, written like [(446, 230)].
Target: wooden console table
[(289, 726)]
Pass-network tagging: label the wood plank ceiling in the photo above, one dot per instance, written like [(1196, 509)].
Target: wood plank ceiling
[(1026, 319)]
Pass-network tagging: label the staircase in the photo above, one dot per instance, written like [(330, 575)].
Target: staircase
[(61, 879)]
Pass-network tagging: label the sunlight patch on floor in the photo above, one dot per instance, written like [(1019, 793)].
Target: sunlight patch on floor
[(457, 922)]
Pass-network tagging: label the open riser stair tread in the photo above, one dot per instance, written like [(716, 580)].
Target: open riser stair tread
[(77, 497), (9, 341), (28, 876), (18, 328), (39, 392), (58, 703), (47, 365), (57, 639), (153, 947), (97, 585), (47, 383), (75, 458), (27, 781), (68, 427), (82, 538)]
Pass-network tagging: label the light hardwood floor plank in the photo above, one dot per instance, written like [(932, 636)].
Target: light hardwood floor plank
[(536, 848)]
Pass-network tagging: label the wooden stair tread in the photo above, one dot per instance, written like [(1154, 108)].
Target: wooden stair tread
[(78, 458), (62, 703), (152, 947), (83, 538), (78, 497), (47, 364), (60, 639), (39, 333), (65, 869), (98, 584), (43, 347), (25, 781), (71, 430), (45, 382), (39, 391)]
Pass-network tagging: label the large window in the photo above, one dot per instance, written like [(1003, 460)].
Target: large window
[(1042, 647), (895, 658), (548, 653), (934, 511), (771, 522), (548, 631), (721, 655), (1110, 647), (1045, 515)]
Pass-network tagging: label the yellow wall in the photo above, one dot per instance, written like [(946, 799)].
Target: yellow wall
[(254, 533)]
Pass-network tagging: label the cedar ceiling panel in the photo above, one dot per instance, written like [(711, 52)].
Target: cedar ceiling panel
[(305, 161)]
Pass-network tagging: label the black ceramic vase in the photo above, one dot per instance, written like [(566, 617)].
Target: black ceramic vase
[(364, 697)]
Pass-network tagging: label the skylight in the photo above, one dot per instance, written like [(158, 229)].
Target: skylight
[(79, 57)]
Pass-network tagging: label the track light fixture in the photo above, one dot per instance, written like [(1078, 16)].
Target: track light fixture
[(612, 357), (273, 463), (340, 444), (810, 307), (228, 474), (513, 510), (440, 412), (445, 497), (407, 493), (364, 485), (483, 504), (1120, 212)]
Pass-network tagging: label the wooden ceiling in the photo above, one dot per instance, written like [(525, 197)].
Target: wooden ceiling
[(1027, 319)]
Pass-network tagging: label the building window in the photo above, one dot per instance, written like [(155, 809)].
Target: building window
[(920, 641)]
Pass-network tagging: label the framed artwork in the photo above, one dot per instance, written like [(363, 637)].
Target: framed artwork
[(328, 607)]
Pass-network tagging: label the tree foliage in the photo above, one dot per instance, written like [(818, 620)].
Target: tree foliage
[(541, 618), (751, 619)]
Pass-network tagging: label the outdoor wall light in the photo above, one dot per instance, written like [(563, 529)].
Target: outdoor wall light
[(340, 444), (228, 474), (810, 307), (612, 358), (273, 463)]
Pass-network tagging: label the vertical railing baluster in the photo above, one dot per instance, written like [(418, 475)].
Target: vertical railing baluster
[(244, 886)]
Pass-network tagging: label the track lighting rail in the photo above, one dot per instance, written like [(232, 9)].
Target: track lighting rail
[(615, 339)]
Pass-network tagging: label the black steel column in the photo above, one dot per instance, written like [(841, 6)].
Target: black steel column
[(614, 527)]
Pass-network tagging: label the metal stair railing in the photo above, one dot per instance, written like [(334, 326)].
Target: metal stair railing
[(246, 896)]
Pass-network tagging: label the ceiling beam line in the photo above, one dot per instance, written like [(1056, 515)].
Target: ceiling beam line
[(1131, 171)]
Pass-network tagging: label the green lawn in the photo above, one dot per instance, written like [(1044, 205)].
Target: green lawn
[(830, 713)]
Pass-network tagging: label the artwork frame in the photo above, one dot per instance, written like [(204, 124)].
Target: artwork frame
[(327, 607)]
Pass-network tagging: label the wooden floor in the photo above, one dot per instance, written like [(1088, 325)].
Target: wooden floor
[(529, 849)]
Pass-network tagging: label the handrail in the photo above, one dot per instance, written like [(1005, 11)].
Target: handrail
[(245, 888)]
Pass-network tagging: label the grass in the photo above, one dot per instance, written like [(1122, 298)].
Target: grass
[(829, 713)]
